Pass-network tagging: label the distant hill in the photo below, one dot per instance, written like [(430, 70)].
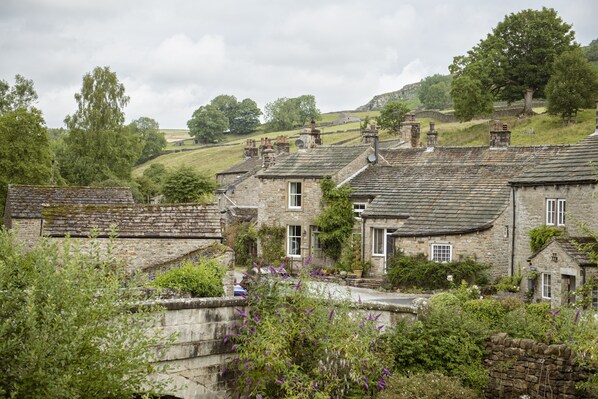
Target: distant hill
[(407, 94)]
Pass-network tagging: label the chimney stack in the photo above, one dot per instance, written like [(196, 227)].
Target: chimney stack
[(268, 158), (432, 137), (251, 151), (369, 135), (500, 136), (316, 139), (282, 145), (415, 128)]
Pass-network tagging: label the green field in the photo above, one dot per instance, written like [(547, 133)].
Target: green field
[(537, 130)]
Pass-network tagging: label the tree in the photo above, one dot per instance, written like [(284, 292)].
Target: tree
[(573, 85), (286, 113), (336, 220), (152, 139), (150, 183), (25, 155), (185, 185), (243, 117), (207, 124), (66, 325), (307, 109), (392, 116), (434, 91), (99, 147), (21, 95), (515, 60)]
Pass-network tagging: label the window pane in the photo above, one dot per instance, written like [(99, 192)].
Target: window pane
[(546, 286), (441, 252), (294, 240), (550, 211), (379, 237), (358, 209), (295, 195), (561, 212)]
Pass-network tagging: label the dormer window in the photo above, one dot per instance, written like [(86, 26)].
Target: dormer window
[(295, 195)]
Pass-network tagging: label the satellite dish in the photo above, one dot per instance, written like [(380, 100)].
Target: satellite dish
[(300, 144), (372, 158), (231, 189)]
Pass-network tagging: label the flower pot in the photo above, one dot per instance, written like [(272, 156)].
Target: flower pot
[(358, 273)]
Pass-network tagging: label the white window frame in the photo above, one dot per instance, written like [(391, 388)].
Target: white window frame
[(376, 231), (294, 235), (316, 244), (560, 212), (295, 194), (358, 208), (550, 211), (546, 286), (435, 249)]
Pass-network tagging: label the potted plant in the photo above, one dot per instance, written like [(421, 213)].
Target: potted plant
[(358, 269)]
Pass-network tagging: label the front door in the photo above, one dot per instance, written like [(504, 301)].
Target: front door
[(568, 288)]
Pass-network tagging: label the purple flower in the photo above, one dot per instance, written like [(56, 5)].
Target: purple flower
[(225, 340), (308, 311), (247, 380), (258, 396), (234, 346), (576, 316), (257, 319), (241, 312), (361, 324), (555, 312), (386, 371), (331, 315), (280, 381), (298, 285), (381, 383), (272, 270)]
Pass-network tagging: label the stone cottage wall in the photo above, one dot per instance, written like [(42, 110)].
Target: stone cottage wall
[(524, 367), (27, 230)]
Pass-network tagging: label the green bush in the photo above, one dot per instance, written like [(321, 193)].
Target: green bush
[(486, 311), (509, 283), (418, 271), (272, 240), (432, 385), (201, 280), (539, 236)]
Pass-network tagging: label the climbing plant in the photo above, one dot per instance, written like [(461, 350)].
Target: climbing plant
[(539, 236), (242, 237), (272, 243)]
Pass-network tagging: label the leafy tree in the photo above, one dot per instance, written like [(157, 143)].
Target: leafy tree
[(185, 185), (392, 116), (286, 113), (25, 155), (591, 51), (99, 146), (156, 172), (307, 109), (152, 139), (515, 60), (21, 95), (208, 124), (471, 98), (573, 85), (66, 325), (150, 183), (434, 91), (336, 220), (247, 117)]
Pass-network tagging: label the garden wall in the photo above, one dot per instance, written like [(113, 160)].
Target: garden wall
[(524, 367)]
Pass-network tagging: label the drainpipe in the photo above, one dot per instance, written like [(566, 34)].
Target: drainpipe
[(362, 238), (513, 235)]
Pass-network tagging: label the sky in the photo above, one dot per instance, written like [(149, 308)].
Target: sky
[(175, 56)]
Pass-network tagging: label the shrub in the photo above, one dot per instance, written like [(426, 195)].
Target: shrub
[(242, 237), (509, 283), (432, 385), (200, 280), (272, 243), (539, 236), (418, 271), (486, 311)]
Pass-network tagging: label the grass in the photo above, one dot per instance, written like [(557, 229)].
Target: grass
[(537, 130)]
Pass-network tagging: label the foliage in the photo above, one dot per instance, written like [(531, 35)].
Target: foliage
[(25, 156), (20, 95), (509, 283), (515, 59), (572, 86), (539, 236), (591, 51), (66, 325), (272, 243), (295, 342), (201, 280), (207, 124), (150, 182), (99, 146), (287, 113), (152, 139), (185, 185), (392, 116), (418, 271), (241, 237), (432, 385), (336, 220), (434, 91), (471, 97), (243, 117)]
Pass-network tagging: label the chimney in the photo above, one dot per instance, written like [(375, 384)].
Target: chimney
[(368, 136), (415, 128), (500, 136), (432, 137), (282, 145), (251, 151), (268, 158), (316, 139)]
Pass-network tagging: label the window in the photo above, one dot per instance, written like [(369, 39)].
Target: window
[(316, 245), (555, 211), (546, 286), (295, 195), (595, 297), (294, 241), (442, 252), (379, 237), (358, 209)]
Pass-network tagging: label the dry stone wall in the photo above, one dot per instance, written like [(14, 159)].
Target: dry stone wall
[(521, 367)]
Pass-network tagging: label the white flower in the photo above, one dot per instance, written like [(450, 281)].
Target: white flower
[(449, 277)]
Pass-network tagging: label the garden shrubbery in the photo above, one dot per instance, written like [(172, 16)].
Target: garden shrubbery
[(202, 280), (432, 385), (418, 271)]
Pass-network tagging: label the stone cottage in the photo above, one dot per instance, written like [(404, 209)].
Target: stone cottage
[(559, 192), (290, 194)]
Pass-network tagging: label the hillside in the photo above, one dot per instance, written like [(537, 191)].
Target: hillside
[(407, 94), (537, 130)]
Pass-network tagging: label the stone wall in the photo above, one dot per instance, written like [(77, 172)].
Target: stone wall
[(530, 205), (28, 230), (378, 262), (524, 367)]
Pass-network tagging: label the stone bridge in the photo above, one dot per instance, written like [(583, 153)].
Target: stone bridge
[(197, 358)]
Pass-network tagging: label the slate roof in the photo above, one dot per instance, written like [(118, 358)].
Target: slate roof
[(26, 201), (480, 155), (133, 221), (571, 248), (435, 200), (243, 213), (243, 167), (315, 163), (576, 164)]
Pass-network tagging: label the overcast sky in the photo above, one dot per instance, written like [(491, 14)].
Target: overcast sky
[(174, 56)]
